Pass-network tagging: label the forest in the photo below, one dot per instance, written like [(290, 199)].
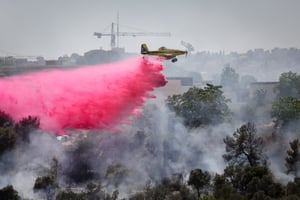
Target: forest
[(195, 146)]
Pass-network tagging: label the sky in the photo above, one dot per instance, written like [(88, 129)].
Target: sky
[(53, 28)]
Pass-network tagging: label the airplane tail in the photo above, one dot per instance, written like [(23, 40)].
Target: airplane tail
[(144, 49)]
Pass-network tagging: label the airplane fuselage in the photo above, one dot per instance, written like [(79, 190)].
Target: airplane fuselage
[(170, 53), (162, 52)]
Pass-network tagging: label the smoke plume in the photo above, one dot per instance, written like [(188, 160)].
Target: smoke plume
[(100, 96)]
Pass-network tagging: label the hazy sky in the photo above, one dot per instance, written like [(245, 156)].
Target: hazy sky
[(52, 28)]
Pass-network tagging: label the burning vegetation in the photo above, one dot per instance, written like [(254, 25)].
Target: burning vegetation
[(197, 145)]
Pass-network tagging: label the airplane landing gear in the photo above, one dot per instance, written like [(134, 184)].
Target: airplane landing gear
[(174, 60)]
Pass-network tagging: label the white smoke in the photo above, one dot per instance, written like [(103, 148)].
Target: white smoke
[(25, 163)]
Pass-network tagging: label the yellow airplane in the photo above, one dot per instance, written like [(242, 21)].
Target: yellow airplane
[(163, 52)]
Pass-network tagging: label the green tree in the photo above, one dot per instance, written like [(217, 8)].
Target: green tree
[(291, 197), (245, 147), (289, 85), (70, 195), (285, 110), (260, 195), (199, 179), (249, 180), (44, 182), (200, 106), (293, 188), (184, 193), (9, 193), (222, 188), (292, 160), (229, 78), (116, 173), (25, 126), (167, 189), (79, 168), (8, 138), (93, 190), (48, 183), (5, 120)]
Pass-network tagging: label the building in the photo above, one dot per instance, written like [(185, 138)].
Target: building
[(267, 87), (176, 85)]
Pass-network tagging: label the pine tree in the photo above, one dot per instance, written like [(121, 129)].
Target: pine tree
[(293, 158), (245, 147)]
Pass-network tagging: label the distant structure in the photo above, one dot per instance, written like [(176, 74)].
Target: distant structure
[(189, 47), (115, 34), (268, 87), (176, 85)]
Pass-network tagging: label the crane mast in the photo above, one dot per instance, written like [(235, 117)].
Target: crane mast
[(114, 35)]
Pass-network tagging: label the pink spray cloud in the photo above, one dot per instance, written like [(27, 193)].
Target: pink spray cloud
[(89, 97)]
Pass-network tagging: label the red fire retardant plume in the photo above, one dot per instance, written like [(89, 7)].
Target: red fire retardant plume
[(90, 97)]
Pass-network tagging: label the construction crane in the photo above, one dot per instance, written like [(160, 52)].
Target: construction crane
[(116, 34)]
